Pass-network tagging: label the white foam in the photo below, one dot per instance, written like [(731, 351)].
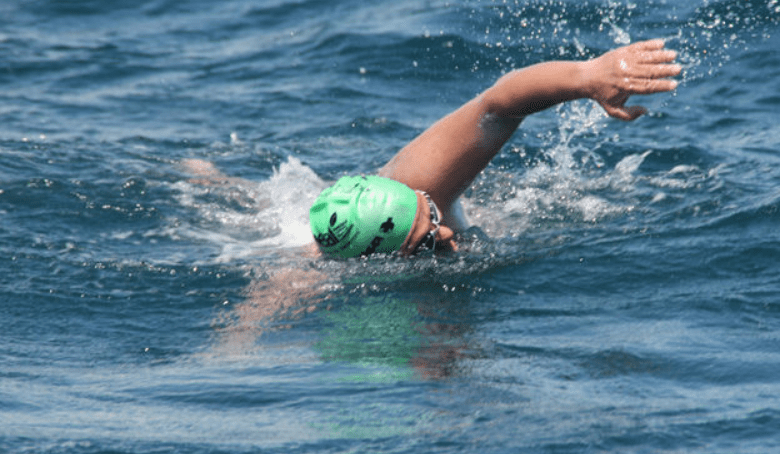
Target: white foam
[(292, 189), (244, 218)]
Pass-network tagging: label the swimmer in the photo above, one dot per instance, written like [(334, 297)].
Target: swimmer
[(412, 204)]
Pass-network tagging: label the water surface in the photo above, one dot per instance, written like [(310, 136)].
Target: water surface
[(623, 297)]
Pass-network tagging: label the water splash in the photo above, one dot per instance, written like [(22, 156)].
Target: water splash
[(618, 34), (571, 185), (249, 218)]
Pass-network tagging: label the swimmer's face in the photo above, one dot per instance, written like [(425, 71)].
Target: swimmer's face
[(426, 227)]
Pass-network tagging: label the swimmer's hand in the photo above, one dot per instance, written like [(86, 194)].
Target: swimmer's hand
[(207, 174), (642, 68)]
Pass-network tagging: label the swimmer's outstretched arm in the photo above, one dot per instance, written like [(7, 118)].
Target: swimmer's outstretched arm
[(445, 158)]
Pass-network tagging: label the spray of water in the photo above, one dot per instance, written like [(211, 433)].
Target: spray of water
[(251, 218)]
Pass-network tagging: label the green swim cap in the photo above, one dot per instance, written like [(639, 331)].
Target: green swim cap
[(362, 215)]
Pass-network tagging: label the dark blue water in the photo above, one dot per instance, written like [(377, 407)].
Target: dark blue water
[(626, 297)]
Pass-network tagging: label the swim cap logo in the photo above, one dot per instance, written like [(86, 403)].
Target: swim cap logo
[(372, 247), (387, 225), (335, 233)]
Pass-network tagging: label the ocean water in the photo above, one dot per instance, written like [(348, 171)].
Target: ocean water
[(622, 295)]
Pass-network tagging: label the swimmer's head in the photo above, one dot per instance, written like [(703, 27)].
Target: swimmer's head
[(358, 216)]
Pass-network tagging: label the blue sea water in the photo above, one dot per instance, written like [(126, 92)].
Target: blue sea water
[(624, 297)]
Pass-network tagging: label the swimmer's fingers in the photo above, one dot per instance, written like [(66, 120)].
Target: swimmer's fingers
[(656, 70), (658, 56), (650, 44), (657, 64), (649, 57), (616, 108), (630, 113), (646, 86), (661, 71)]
